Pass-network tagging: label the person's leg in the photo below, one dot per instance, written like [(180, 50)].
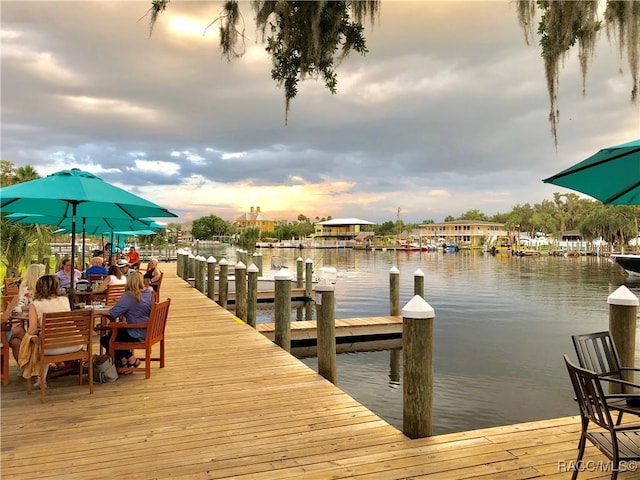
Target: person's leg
[(17, 333)]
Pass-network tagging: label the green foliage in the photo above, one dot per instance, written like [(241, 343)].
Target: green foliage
[(249, 237), (205, 228), (304, 39)]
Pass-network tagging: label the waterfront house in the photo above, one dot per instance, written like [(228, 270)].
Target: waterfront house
[(340, 230), (255, 219), (465, 233)]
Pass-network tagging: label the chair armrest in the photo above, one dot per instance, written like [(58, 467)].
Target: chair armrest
[(630, 369), (620, 382), (119, 325)]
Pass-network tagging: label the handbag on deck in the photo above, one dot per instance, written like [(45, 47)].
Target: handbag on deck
[(104, 370)]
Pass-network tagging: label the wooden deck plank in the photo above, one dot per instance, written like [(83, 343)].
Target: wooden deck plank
[(231, 404)]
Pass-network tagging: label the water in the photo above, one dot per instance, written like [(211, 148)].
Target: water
[(501, 327)]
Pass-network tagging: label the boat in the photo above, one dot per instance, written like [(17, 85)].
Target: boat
[(630, 262)]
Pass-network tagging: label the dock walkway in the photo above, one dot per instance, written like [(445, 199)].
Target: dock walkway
[(231, 404)]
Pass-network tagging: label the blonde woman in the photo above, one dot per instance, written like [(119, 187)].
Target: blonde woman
[(21, 302), (135, 304)]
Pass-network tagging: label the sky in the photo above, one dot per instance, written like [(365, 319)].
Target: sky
[(446, 113)]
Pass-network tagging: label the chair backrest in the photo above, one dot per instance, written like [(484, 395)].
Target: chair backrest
[(158, 283), (96, 278), (114, 292), (590, 396), (597, 353), (158, 320), (67, 329), (11, 285)]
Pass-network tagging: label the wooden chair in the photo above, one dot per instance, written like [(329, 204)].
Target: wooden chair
[(597, 353), (620, 444), (114, 292), (11, 285), (155, 334), (156, 286), (61, 330), (5, 352), (96, 278)]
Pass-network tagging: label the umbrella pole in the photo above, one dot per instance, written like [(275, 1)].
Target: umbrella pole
[(84, 227), (72, 291)]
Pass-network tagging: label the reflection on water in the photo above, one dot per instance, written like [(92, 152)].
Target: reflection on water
[(501, 327)]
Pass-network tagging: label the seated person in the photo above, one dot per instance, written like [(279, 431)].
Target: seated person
[(96, 267), (124, 268), (21, 302), (64, 274), (135, 305), (115, 277), (153, 273), (133, 257), (47, 300)]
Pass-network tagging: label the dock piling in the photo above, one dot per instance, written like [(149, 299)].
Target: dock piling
[(211, 278), (623, 312), (282, 307), (241, 291), (326, 335), (252, 294), (223, 282), (417, 385), (418, 283), (308, 285)]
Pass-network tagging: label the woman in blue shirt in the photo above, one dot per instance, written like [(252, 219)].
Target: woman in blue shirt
[(135, 304)]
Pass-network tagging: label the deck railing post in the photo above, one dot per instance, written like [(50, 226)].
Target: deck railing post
[(202, 274), (326, 334), (179, 263), (417, 385), (418, 283), (308, 287), (257, 260), (185, 265), (252, 295), (241, 291), (192, 267), (282, 334), (211, 278), (623, 313), (223, 282)]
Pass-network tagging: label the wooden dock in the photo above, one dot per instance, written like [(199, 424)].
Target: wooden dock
[(231, 404), (363, 334), (268, 296)]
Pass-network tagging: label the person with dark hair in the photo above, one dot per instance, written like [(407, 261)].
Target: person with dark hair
[(47, 300), (64, 273), (114, 277), (133, 257)]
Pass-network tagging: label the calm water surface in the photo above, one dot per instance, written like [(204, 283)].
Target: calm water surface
[(501, 327)]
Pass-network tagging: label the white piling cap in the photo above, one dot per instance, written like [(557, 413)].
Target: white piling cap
[(308, 260), (394, 270), (418, 273), (240, 266), (223, 262), (418, 308), (253, 269), (200, 258), (191, 255), (299, 259), (624, 297), (211, 259), (255, 254), (282, 274)]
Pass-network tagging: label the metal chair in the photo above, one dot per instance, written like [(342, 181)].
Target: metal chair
[(620, 444), (597, 353)]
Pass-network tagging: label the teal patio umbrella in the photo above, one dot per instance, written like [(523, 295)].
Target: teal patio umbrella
[(612, 175), (77, 194)]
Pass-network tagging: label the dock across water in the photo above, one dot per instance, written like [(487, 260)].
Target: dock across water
[(231, 404)]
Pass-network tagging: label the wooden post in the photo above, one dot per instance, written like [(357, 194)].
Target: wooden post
[(417, 386), (282, 334), (623, 314), (252, 295), (198, 277), (308, 285), (223, 285), (185, 265), (179, 264), (299, 283), (418, 283), (394, 310), (325, 313), (394, 291), (211, 278), (257, 260), (241, 291), (192, 267)]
